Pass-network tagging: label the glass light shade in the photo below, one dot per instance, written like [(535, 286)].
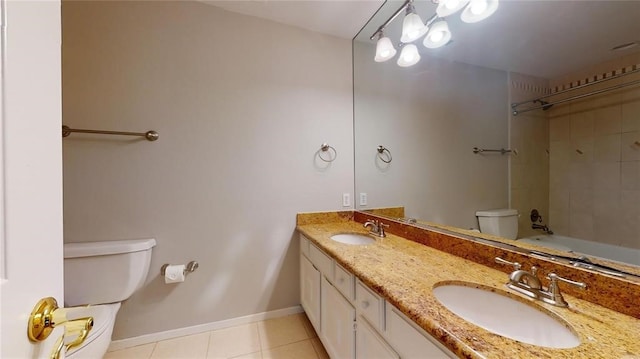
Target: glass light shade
[(438, 36), (448, 7), (412, 28), (409, 56), (478, 10), (384, 50)]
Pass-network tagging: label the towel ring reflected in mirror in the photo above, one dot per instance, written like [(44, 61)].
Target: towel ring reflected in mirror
[(325, 148), (384, 154)]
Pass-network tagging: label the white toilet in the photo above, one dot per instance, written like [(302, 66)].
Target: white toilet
[(499, 222), (99, 276)]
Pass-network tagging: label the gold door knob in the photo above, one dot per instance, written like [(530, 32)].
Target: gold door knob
[(46, 315)]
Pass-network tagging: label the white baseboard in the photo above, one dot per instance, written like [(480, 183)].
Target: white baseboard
[(174, 333)]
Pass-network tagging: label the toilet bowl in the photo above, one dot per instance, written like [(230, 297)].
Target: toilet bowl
[(98, 276), (499, 222)]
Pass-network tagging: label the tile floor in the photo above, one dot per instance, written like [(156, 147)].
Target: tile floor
[(290, 337)]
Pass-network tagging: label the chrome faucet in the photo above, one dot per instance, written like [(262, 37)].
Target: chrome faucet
[(544, 228), (377, 227), (529, 284)]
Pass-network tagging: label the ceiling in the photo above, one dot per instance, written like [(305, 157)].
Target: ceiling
[(546, 38), (342, 18)]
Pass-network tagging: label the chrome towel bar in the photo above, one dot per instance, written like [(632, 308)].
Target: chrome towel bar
[(149, 135), (502, 151)]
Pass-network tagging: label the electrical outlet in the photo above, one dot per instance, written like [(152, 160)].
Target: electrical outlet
[(363, 199), (346, 200)]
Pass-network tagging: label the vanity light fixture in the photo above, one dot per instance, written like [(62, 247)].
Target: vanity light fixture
[(384, 49), (436, 28), (478, 10), (438, 36), (412, 26), (450, 7), (409, 56)]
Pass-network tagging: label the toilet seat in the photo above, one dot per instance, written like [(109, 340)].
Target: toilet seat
[(99, 337)]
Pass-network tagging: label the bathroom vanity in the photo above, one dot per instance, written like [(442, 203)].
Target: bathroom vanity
[(352, 320), (377, 301)]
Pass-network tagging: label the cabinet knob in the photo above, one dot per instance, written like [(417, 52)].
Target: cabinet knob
[(341, 280), (364, 304)]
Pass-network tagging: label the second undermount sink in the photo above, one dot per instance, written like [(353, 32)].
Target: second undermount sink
[(353, 238), (496, 312)]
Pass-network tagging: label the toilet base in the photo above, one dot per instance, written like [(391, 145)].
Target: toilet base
[(99, 338)]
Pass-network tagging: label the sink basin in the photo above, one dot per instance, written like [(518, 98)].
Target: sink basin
[(497, 312), (353, 238)]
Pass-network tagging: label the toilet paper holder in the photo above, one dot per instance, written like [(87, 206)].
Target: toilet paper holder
[(189, 268)]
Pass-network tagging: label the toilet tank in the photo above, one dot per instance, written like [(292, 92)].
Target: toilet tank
[(105, 272), (499, 222)]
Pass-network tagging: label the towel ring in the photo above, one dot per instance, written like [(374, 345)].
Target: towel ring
[(325, 148), (381, 151)]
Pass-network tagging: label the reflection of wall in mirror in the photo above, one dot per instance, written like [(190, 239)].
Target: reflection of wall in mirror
[(595, 160), (430, 116)]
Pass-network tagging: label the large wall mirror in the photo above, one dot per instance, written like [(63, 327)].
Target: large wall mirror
[(572, 68)]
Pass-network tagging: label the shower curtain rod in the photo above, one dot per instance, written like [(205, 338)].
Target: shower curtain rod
[(544, 105), (581, 86)]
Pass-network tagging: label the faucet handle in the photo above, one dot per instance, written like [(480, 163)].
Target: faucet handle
[(515, 265), (381, 229), (554, 278)]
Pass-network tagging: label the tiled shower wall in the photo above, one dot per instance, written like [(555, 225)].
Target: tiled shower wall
[(594, 164), (529, 168)]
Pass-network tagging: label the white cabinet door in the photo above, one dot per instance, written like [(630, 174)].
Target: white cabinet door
[(310, 291), (338, 323), (370, 345), (408, 340)]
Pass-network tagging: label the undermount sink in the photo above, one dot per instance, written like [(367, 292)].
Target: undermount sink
[(353, 238), (496, 312)]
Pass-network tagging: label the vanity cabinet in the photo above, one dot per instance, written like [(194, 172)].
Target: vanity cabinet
[(354, 322)]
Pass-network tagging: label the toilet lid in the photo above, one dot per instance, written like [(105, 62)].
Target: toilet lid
[(103, 317)]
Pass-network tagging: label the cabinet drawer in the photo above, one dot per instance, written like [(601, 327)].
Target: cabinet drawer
[(370, 305), (344, 281), (304, 245), (323, 262)]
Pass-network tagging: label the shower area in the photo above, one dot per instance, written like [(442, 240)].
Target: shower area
[(578, 162)]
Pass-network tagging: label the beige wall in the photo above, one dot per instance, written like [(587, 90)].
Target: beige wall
[(595, 195), (431, 116), (241, 105)]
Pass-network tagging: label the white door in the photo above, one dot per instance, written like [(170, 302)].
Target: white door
[(31, 166)]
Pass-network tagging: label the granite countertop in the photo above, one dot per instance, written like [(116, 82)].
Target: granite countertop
[(404, 272)]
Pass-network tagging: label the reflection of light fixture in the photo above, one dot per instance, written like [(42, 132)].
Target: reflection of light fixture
[(478, 10), (438, 36), (448, 7), (384, 49), (409, 56), (412, 27)]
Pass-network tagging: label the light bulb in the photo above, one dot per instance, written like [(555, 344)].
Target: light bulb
[(409, 56), (451, 4), (478, 7), (479, 10), (438, 36), (384, 49), (412, 26), (448, 7)]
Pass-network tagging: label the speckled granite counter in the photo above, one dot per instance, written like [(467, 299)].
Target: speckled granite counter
[(405, 272)]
